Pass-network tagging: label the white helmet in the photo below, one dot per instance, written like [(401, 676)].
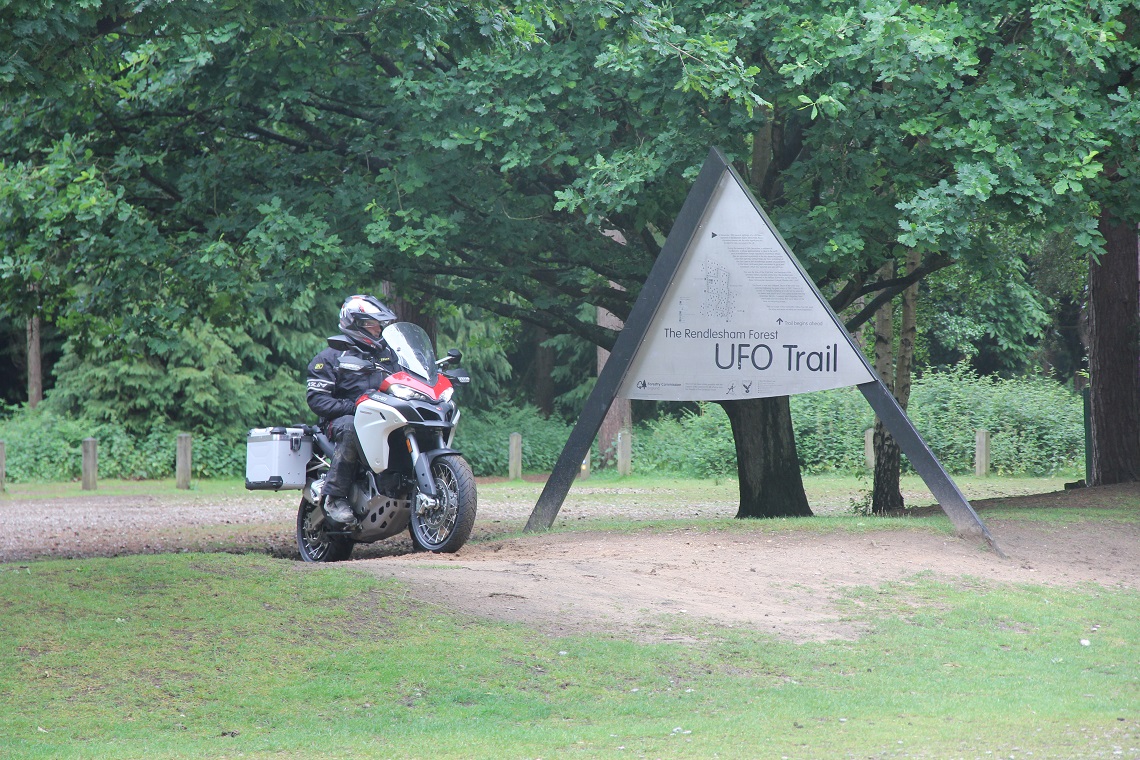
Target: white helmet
[(361, 312)]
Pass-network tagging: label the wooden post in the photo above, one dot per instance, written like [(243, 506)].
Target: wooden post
[(620, 414), (982, 453), (35, 363), (182, 462), (90, 449), (625, 452), (514, 465), (869, 448), (3, 465)]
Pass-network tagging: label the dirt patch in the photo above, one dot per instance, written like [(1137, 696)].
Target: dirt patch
[(783, 583), (638, 584)]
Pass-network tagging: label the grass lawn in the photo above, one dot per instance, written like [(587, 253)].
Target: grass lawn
[(219, 655)]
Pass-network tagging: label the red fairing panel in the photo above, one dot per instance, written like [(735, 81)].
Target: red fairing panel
[(403, 378)]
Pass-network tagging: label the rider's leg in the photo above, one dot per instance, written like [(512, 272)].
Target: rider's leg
[(342, 469)]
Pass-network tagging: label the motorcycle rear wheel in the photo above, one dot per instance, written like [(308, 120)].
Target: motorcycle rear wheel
[(447, 526), (314, 543)]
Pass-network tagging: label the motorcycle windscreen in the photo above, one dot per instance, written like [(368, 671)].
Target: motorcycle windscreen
[(413, 350)]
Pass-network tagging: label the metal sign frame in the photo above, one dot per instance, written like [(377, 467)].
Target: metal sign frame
[(678, 244)]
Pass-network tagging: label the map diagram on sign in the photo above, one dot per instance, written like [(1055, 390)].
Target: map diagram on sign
[(717, 300)]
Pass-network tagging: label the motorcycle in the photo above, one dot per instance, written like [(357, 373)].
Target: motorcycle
[(410, 477)]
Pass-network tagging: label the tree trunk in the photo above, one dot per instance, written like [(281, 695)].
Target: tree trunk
[(886, 496), (860, 334), (408, 311), (766, 459), (1114, 355), (35, 364), (908, 331), (543, 395), (620, 415), (886, 493)]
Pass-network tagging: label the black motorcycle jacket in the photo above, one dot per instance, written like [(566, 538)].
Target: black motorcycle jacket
[(344, 372)]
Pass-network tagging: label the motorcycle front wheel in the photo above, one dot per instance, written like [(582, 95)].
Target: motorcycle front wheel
[(313, 542), (447, 526)]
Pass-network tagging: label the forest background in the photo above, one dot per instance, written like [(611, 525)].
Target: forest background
[(188, 192)]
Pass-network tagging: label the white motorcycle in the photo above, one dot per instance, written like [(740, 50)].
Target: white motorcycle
[(410, 477)]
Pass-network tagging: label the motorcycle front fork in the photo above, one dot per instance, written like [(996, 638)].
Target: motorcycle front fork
[(426, 496)]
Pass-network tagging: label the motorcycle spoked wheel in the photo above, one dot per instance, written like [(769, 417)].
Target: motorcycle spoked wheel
[(447, 526), (314, 543)]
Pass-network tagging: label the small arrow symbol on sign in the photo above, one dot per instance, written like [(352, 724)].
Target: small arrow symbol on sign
[(780, 321), (714, 234)]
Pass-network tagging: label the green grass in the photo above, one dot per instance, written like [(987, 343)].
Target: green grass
[(201, 655), (195, 655), (826, 493)]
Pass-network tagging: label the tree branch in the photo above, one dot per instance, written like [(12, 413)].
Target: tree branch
[(888, 289)]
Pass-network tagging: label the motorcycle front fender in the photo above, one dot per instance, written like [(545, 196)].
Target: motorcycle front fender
[(423, 470)]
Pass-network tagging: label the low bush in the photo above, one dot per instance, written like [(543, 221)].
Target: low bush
[(698, 445), (484, 437), (1036, 428), (1036, 425), (43, 446), (829, 430)]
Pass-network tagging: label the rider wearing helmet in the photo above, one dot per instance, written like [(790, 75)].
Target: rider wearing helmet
[(355, 363)]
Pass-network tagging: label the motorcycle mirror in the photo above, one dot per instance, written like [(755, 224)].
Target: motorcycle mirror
[(453, 357)]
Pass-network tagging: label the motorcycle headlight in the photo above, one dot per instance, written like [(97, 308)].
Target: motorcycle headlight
[(447, 394), (406, 393)]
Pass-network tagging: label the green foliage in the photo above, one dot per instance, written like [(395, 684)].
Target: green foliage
[(1036, 428), (829, 430), (696, 445), (990, 310), (1036, 425), (829, 438), (210, 380), (41, 445), (482, 338), (484, 438), (476, 153)]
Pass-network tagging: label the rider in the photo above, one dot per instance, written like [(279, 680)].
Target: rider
[(353, 364)]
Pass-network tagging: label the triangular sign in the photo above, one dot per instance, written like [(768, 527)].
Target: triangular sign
[(740, 318), (729, 316)]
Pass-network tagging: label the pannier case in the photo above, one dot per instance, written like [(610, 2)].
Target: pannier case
[(276, 458)]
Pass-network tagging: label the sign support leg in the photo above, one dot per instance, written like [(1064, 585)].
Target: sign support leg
[(577, 446), (965, 520)]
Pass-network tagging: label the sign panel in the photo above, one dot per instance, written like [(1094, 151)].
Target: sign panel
[(740, 319)]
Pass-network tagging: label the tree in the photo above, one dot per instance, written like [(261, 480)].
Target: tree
[(255, 150), (1114, 355), (1052, 135)]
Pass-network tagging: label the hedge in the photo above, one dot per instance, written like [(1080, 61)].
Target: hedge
[(1036, 428)]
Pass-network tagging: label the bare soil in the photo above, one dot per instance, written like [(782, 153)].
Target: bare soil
[(627, 583)]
